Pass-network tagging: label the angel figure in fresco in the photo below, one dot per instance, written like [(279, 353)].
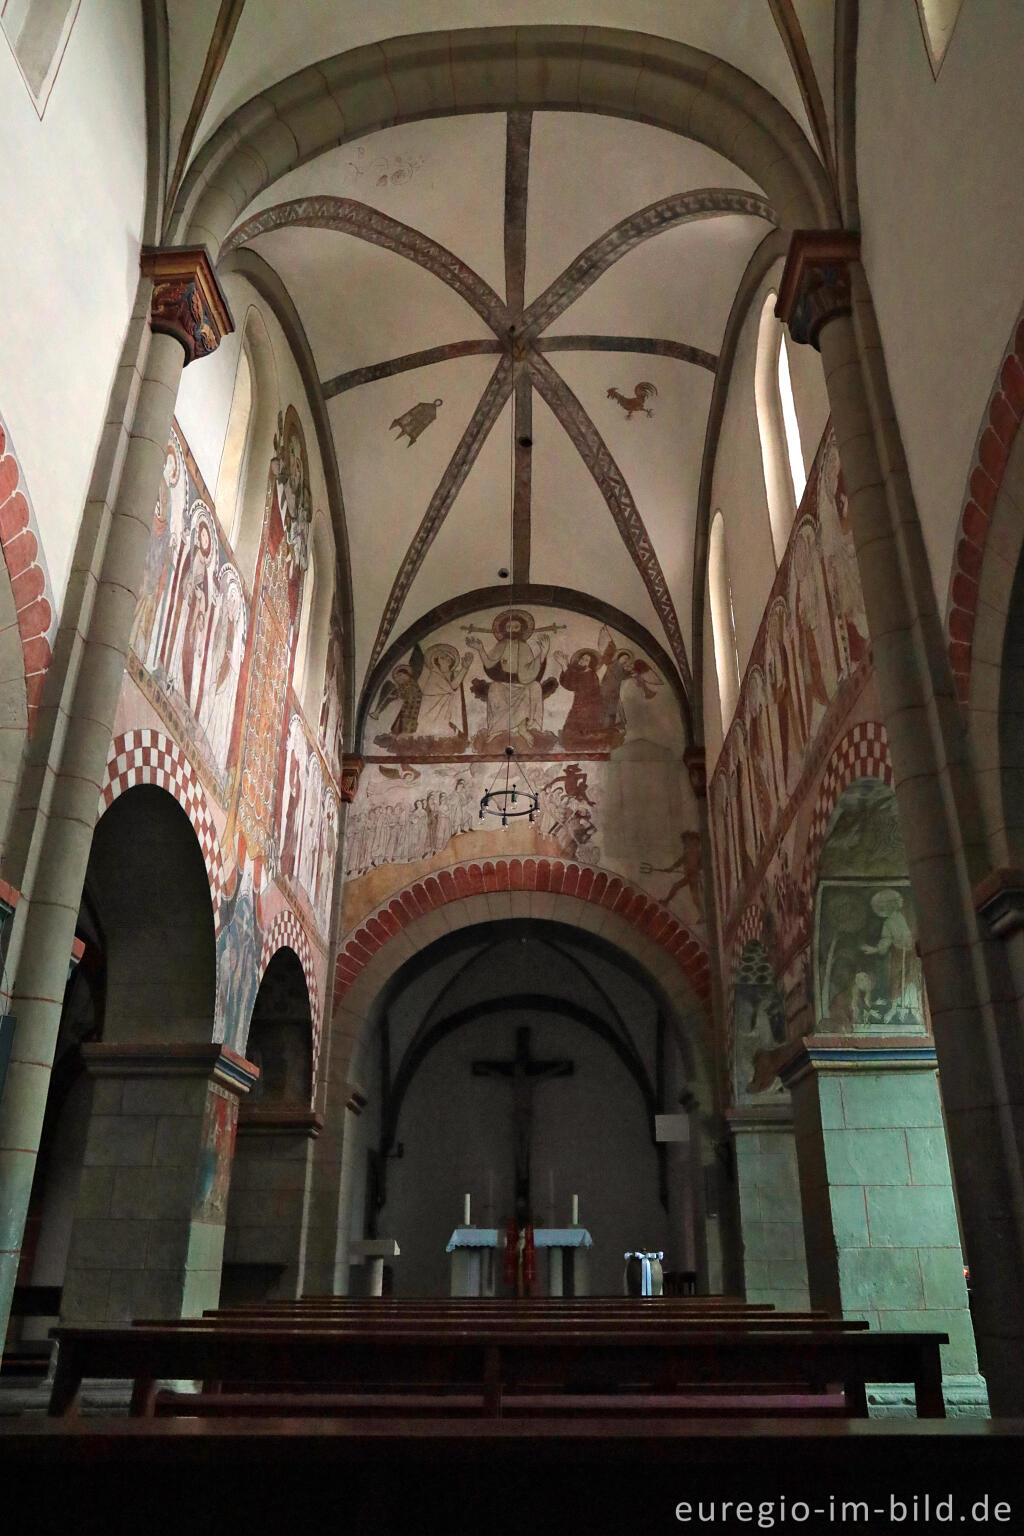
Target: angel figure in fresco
[(621, 666), (403, 688), (515, 686), (689, 863)]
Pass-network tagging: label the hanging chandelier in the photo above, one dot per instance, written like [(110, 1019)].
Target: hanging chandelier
[(510, 798)]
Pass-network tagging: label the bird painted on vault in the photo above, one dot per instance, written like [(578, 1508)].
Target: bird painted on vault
[(637, 401)]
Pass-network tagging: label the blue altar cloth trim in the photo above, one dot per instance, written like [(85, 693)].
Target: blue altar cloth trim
[(543, 1237)]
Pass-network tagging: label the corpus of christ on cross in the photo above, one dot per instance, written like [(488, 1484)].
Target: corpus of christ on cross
[(524, 1074)]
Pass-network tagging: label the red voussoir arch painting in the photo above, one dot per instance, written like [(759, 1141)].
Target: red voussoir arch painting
[(649, 917), (863, 753), (992, 451), (30, 580), (148, 757), (286, 932)]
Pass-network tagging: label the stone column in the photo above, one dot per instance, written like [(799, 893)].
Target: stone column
[(148, 1234), (187, 317), (976, 1018), (327, 1233), (771, 1219), (268, 1206), (879, 1217)]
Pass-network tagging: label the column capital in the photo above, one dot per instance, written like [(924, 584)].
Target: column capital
[(352, 766), (999, 901), (140, 1058), (745, 1119), (279, 1120), (695, 760), (857, 1053), (815, 286), (187, 302)]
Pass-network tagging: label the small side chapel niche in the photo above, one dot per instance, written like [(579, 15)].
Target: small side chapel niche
[(868, 977), (759, 1027)]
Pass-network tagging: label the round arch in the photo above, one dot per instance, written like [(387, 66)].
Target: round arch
[(584, 69), (668, 956), (286, 932)]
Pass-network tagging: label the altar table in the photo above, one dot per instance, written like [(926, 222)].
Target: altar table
[(474, 1266)]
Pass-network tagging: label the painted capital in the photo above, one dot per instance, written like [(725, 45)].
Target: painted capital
[(351, 767), (697, 768), (187, 302), (815, 286)]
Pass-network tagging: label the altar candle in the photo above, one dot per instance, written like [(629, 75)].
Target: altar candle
[(575, 1210), (465, 1211)]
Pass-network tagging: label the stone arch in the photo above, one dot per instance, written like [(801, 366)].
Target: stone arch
[(27, 617), (590, 69), (286, 932), (283, 999), (147, 889), (986, 608), (990, 531), (148, 757), (464, 895)]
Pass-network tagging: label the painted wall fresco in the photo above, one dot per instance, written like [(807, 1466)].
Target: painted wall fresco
[(597, 733), (807, 715), (868, 976), (812, 640), (538, 679), (212, 663)]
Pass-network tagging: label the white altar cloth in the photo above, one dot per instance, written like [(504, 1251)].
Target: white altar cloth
[(473, 1251)]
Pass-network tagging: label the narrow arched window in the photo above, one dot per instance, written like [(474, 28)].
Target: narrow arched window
[(233, 462), (791, 425), (780, 441), (723, 621)]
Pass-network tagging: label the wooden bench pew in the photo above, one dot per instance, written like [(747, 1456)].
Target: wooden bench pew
[(502, 1360)]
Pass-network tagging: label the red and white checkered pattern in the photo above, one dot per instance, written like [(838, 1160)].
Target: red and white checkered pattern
[(863, 753), (748, 927), (286, 932), (149, 757)]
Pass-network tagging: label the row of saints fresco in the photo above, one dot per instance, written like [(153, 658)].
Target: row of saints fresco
[(216, 663)]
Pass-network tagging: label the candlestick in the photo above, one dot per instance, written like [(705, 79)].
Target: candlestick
[(465, 1211), (575, 1210)]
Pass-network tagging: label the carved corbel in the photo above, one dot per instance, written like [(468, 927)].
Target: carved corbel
[(815, 286)]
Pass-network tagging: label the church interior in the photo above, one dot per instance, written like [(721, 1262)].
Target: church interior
[(512, 519)]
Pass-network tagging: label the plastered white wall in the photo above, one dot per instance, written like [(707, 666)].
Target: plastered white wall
[(72, 188), (941, 166)]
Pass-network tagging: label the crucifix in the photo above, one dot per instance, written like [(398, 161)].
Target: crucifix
[(524, 1073)]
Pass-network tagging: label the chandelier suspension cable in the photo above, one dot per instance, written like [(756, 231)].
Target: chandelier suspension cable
[(509, 801)]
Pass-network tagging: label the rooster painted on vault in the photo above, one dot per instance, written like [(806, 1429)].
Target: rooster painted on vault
[(637, 401)]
